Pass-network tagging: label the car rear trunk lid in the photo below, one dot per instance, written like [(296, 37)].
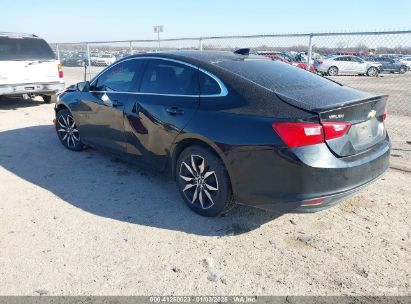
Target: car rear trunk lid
[(367, 125), (365, 115)]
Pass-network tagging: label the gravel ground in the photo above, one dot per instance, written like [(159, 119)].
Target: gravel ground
[(87, 224)]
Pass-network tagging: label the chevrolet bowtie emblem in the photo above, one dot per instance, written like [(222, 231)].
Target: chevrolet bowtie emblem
[(372, 114)]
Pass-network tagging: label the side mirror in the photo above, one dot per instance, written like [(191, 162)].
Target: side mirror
[(83, 86)]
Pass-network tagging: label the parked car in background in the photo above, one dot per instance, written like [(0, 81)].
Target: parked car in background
[(286, 58), (338, 65), (390, 65), (28, 67), (77, 59), (232, 128), (406, 61), (104, 60)]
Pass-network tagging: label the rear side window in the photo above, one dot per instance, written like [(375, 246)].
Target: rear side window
[(25, 49), (119, 78), (168, 77), (208, 86)]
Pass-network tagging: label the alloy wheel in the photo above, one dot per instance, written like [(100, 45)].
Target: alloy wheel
[(68, 131), (333, 71), (372, 72), (201, 183)]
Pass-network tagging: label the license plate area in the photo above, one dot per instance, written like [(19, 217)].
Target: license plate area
[(366, 134)]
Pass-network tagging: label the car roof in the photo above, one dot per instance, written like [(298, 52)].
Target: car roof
[(205, 57), (21, 35)]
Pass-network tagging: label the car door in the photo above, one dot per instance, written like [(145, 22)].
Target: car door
[(343, 64), (101, 110), (167, 99), (393, 65), (386, 65), (359, 66)]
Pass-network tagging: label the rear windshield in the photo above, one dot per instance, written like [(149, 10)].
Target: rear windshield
[(25, 49), (275, 75)]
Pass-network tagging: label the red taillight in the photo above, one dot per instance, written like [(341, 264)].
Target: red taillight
[(384, 116), (60, 69), (335, 129), (297, 134)]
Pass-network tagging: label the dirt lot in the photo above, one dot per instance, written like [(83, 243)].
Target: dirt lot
[(87, 224)]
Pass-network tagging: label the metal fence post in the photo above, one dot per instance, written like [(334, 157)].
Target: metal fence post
[(200, 44), (58, 52), (131, 47), (89, 60), (310, 51)]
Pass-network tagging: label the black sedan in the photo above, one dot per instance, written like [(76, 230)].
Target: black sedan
[(231, 128)]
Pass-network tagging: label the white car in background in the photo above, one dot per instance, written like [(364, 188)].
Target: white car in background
[(28, 67), (104, 60), (406, 61), (338, 65)]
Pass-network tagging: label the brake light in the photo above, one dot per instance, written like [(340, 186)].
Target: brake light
[(334, 130), (297, 134), (384, 116), (60, 69)]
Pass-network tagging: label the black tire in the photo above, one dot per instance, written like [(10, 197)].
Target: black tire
[(47, 99), (203, 181), (372, 72), (332, 71), (67, 131), (403, 70)]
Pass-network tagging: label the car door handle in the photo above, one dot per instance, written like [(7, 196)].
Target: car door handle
[(117, 103), (174, 111)]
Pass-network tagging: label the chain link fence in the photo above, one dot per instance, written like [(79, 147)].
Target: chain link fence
[(390, 51)]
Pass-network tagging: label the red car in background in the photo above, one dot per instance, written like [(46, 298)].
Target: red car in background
[(287, 59)]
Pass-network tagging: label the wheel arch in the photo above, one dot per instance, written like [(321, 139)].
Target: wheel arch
[(61, 106), (187, 140), (333, 66)]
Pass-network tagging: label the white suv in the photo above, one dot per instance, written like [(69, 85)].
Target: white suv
[(28, 67)]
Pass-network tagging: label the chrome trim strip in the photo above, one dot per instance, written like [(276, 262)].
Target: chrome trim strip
[(223, 88), (138, 93)]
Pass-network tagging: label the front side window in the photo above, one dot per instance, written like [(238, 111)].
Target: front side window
[(356, 59), (119, 78), (169, 77)]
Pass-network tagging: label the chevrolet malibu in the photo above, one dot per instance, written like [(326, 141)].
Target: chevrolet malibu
[(231, 128)]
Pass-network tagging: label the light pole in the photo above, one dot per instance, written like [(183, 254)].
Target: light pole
[(158, 29)]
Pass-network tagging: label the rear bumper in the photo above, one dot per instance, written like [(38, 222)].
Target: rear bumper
[(32, 88), (284, 180)]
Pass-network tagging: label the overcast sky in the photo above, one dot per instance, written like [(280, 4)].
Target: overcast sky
[(91, 20)]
